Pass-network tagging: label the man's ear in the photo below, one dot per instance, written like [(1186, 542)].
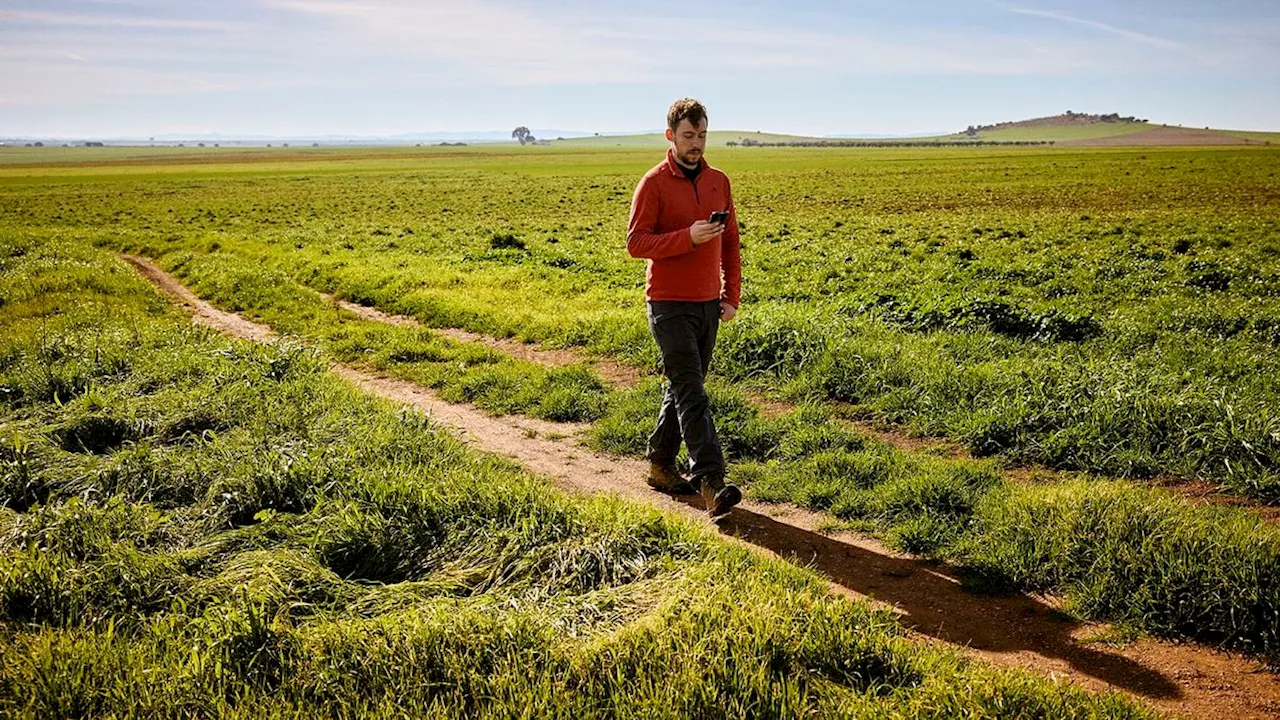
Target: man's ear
[(671, 136)]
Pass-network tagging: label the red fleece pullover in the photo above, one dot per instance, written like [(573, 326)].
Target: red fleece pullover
[(665, 205)]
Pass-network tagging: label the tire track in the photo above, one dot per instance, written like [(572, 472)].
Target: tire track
[(1196, 492), (1024, 631)]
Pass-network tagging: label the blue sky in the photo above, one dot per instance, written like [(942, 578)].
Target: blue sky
[(101, 68)]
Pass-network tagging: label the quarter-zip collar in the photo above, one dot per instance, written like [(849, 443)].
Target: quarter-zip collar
[(678, 170)]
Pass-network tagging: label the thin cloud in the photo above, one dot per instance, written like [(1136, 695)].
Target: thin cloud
[(1121, 32), (45, 83), (505, 44), (35, 17), (862, 52)]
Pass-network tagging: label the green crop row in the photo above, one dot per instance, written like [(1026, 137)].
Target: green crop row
[(196, 526)]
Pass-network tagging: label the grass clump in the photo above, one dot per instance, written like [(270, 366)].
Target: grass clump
[(1205, 573)]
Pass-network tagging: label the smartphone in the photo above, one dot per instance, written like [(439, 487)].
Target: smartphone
[(720, 216)]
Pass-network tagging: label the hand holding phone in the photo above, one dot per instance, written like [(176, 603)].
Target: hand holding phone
[(704, 231)]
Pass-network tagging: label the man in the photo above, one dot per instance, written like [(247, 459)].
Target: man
[(693, 283)]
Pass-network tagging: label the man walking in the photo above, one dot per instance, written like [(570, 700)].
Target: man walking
[(684, 223)]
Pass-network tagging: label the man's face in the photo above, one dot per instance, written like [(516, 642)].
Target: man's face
[(688, 141)]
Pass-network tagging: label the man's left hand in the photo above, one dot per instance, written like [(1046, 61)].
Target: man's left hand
[(727, 311)]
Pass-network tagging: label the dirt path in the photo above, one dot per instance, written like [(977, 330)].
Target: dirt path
[(1197, 492), (1183, 679)]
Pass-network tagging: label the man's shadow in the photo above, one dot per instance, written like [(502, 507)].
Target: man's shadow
[(931, 601)]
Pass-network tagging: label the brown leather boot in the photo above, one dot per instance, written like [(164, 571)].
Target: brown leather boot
[(719, 497), (667, 479)]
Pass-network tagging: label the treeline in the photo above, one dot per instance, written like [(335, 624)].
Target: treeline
[(1115, 117), (748, 142)]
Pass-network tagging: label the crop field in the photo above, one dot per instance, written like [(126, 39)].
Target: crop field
[(1112, 312), (235, 518)]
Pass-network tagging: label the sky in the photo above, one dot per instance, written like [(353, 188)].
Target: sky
[(139, 68)]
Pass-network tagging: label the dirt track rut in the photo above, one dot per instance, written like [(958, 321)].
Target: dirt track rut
[(1023, 631)]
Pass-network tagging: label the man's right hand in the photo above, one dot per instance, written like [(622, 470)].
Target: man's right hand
[(703, 231)]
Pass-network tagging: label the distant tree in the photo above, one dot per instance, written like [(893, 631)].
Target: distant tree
[(39, 144), (522, 134)]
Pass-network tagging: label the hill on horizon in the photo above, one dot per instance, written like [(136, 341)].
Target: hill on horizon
[(1084, 129), (1069, 128)]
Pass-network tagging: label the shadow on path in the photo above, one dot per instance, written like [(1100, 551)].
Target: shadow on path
[(930, 601)]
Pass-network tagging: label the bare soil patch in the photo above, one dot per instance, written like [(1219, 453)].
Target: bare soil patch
[(1024, 631)]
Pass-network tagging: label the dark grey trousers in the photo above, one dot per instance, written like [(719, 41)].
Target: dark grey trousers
[(686, 335)]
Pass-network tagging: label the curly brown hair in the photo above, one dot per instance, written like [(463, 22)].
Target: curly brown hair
[(686, 109)]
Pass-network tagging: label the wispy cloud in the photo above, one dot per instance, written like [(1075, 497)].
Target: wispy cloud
[(1112, 29), (37, 17), (502, 43), (433, 55), (861, 50), (493, 41)]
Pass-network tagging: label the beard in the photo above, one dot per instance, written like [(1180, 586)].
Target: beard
[(689, 158)]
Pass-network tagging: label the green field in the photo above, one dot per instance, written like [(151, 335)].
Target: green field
[(1108, 312), (1272, 137), (196, 527)]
